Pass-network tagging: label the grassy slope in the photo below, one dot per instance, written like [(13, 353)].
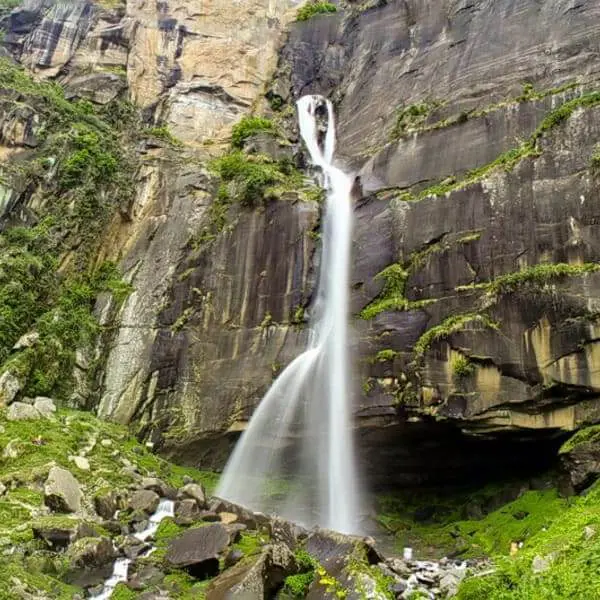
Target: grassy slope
[(65, 435)]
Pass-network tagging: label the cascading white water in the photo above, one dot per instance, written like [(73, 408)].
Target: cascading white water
[(165, 508), (296, 457)]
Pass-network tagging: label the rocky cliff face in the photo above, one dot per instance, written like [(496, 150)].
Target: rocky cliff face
[(475, 269)]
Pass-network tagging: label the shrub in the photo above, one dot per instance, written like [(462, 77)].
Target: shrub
[(246, 179), (461, 366), (313, 8), (248, 127)]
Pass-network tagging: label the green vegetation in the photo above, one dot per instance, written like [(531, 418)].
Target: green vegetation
[(359, 569), (385, 355), (297, 585), (563, 535), (162, 133), (92, 177), (410, 117), (251, 179), (568, 546), (536, 275), (461, 366), (34, 449), (8, 5), (313, 8), (393, 295), (587, 435), (509, 159), (250, 543), (248, 127), (446, 328)]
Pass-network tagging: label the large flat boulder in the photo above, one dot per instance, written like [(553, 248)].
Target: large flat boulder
[(198, 549)]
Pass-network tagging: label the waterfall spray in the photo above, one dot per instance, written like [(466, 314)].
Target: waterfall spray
[(296, 457)]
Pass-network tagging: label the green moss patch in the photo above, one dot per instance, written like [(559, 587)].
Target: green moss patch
[(446, 328), (313, 8), (587, 435), (538, 276)]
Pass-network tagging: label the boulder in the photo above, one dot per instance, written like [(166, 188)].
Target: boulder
[(45, 406), (580, 458), (197, 550), (227, 517), (27, 341), (19, 411), (59, 533), (195, 491), (10, 386), (159, 486), (132, 547), (233, 557), (210, 517), (258, 579), (106, 504), (142, 576), (81, 462), (186, 511), (91, 552), (62, 492), (13, 449), (145, 501)]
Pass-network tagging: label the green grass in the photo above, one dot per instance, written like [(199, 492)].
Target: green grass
[(313, 8), (573, 556), (396, 275), (410, 117), (162, 132), (252, 179)]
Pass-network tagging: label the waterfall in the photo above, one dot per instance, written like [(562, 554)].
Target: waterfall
[(165, 508), (296, 457)]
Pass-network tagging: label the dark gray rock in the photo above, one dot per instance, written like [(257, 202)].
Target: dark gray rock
[(198, 549), (145, 501), (256, 579), (581, 463), (107, 503), (159, 486), (186, 511)]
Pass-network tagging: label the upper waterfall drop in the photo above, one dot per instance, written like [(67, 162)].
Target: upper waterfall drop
[(299, 440)]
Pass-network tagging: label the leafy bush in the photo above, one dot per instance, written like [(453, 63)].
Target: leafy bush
[(461, 366), (249, 179), (313, 8), (248, 127)]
